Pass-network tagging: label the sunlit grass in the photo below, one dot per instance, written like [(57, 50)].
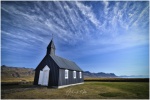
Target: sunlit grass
[(10, 79), (30, 79), (88, 90)]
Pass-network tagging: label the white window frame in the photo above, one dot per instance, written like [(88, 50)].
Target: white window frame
[(66, 73), (80, 74), (74, 74)]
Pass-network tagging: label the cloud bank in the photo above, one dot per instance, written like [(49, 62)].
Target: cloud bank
[(83, 27)]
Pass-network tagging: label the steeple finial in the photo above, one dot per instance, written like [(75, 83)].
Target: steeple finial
[(51, 47), (52, 36)]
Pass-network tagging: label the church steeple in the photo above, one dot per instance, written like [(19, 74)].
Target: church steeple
[(51, 48)]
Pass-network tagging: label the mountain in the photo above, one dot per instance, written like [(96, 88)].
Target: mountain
[(134, 76), (9, 72), (88, 74), (16, 72)]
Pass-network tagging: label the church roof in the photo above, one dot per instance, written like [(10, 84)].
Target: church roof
[(51, 44), (64, 63)]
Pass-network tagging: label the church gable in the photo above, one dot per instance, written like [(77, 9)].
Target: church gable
[(47, 60)]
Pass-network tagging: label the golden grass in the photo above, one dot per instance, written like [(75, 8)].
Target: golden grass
[(17, 79), (30, 79)]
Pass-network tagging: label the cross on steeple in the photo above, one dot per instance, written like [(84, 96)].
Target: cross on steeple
[(51, 47)]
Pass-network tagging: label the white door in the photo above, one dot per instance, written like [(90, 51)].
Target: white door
[(45, 77), (40, 78)]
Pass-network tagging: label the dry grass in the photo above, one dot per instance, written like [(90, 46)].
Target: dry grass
[(10, 79), (31, 78), (117, 79), (88, 90)]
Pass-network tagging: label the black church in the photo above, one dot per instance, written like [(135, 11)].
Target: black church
[(58, 72)]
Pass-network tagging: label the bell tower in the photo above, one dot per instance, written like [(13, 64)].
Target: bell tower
[(51, 48)]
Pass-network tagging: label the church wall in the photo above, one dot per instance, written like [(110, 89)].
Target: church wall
[(70, 80), (53, 74)]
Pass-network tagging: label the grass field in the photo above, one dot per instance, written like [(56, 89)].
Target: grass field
[(30, 79), (88, 90), (10, 79)]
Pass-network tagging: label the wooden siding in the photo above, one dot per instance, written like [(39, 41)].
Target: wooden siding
[(54, 71), (37, 71), (70, 80)]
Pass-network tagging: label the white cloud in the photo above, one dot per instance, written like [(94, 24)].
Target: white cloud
[(106, 9), (67, 24), (142, 14), (87, 11)]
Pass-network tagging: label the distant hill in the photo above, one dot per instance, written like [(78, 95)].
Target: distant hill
[(16, 72), (88, 74), (134, 76), (9, 72)]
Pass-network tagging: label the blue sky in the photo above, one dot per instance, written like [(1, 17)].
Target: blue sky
[(111, 37)]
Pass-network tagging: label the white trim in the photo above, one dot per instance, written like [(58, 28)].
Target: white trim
[(66, 73), (63, 86), (80, 74), (40, 77), (44, 76), (74, 74), (46, 68)]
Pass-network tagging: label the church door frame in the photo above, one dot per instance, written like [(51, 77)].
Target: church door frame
[(44, 76)]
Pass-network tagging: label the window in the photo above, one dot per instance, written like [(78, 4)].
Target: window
[(66, 74), (74, 74), (80, 74)]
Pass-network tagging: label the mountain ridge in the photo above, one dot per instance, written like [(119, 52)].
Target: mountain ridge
[(9, 71)]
